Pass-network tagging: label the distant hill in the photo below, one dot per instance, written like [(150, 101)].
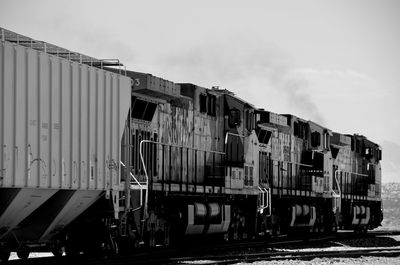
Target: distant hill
[(391, 206), (390, 162)]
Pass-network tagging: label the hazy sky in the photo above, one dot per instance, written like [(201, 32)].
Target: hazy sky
[(335, 62)]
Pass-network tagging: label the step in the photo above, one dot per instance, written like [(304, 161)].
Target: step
[(137, 187)]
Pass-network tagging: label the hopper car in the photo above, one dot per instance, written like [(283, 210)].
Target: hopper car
[(95, 157)]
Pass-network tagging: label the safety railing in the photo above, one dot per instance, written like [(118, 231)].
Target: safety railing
[(181, 165), (265, 200), (136, 185)]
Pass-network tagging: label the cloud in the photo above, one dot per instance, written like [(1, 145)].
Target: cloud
[(260, 69), (297, 91), (77, 33), (333, 72)]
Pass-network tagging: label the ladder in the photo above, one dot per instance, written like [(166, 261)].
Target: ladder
[(133, 184)]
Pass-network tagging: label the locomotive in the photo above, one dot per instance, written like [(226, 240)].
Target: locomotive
[(99, 158)]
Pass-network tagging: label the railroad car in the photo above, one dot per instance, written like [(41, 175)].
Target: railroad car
[(97, 158)]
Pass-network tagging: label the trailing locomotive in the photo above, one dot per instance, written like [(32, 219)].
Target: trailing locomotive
[(97, 158)]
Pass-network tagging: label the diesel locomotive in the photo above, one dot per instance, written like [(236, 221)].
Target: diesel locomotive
[(98, 158)]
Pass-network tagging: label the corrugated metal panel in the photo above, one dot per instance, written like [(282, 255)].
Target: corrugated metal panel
[(61, 122)]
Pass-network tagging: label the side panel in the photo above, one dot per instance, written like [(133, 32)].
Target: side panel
[(92, 136), (44, 118), (115, 141), (75, 139), (107, 131), (24, 203), (20, 118), (1, 111), (77, 204), (61, 122), (84, 127), (66, 123), (33, 119), (100, 143), (55, 124), (8, 118)]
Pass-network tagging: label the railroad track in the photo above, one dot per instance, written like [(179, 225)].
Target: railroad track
[(290, 255), (233, 252)]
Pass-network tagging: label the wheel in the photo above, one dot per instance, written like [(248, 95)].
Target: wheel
[(4, 255), (23, 254)]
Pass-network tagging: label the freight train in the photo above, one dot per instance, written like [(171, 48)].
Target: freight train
[(98, 158)]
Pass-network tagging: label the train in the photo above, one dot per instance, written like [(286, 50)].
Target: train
[(97, 158)]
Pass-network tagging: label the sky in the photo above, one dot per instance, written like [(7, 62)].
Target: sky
[(333, 62)]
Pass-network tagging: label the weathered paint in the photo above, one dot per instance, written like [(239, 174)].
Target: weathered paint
[(61, 124), (61, 121)]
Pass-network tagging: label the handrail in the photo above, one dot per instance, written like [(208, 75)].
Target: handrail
[(182, 146), (147, 177), (337, 180), (265, 190), (132, 176), (233, 134), (140, 186), (354, 173), (300, 164), (338, 185), (144, 165)]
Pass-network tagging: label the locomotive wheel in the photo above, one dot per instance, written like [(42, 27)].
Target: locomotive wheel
[(4, 256), (23, 254)]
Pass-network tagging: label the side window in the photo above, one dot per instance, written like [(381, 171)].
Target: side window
[(358, 146), (263, 135), (208, 104), (251, 181), (234, 118), (315, 139), (296, 128), (211, 105), (246, 175), (326, 140), (304, 132), (203, 103), (249, 120)]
